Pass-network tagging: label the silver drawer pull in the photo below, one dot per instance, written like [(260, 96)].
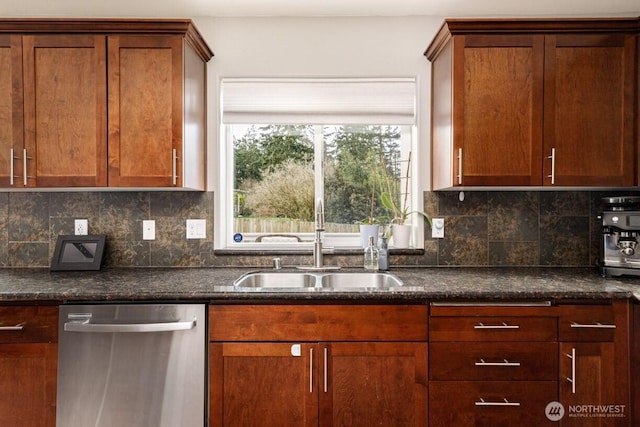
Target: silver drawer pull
[(505, 362), (505, 403), (596, 325), (18, 327), (502, 326)]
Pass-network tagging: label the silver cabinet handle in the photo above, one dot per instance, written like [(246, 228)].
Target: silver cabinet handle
[(25, 175), (596, 325), (311, 370), (175, 167), (483, 402), (459, 166), (12, 172), (553, 166), (75, 326), (326, 366), (502, 326), (572, 378), (18, 327), (505, 362)]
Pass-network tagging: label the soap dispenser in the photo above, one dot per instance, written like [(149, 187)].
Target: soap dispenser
[(371, 256), (383, 255)]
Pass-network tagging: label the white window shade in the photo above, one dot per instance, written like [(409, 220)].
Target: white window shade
[(388, 101)]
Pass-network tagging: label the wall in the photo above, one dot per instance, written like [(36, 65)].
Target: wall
[(489, 228), (517, 228)]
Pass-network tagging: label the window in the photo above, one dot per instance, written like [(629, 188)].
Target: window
[(287, 143)]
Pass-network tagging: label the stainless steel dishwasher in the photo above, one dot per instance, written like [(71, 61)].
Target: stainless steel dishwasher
[(134, 365)]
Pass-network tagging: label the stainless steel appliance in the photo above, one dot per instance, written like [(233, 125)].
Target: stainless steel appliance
[(619, 251), (133, 365)]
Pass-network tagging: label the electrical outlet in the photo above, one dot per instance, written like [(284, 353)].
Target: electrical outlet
[(437, 231), (196, 229), (81, 227), (148, 229)]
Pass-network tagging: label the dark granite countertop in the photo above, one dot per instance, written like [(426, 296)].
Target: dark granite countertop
[(214, 284)]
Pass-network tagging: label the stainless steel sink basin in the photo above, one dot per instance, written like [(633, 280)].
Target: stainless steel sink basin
[(316, 281), (264, 280), (360, 280)]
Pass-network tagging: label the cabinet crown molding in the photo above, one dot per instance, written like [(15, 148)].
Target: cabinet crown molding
[(183, 27)]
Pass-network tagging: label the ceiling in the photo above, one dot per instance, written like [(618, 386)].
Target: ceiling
[(245, 8)]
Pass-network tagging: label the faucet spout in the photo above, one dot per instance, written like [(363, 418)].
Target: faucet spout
[(318, 260)]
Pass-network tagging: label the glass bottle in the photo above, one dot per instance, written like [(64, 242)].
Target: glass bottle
[(371, 256), (383, 255)]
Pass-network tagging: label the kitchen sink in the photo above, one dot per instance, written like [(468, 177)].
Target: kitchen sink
[(286, 281), (360, 280), (316, 281)]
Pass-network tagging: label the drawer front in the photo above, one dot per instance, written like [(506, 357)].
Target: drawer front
[(318, 323), (493, 329), (490, 403), (28, 324), (587, 323), (469, 361)]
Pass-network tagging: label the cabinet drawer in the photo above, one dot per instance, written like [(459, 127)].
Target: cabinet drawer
[(318, 323), (28, 324), (468, 361), (587, 323), (492, 328), (490, 403)]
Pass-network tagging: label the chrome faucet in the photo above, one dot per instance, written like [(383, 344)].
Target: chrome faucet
[(318, 260)]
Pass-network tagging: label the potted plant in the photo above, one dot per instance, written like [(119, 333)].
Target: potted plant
[(395, 199), (371, 225)]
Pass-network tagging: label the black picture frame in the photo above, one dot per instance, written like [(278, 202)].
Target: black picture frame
[(76, 253)]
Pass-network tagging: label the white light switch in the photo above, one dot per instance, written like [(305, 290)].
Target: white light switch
[(196, 229), (148, 230), (437, 230)]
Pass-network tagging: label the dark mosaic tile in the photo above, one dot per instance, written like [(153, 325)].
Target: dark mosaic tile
[(75, 205), (465, 241), (178, 254), (513, 216), (4, 205), (564, 241), (182, 204), (430, 203), (475, 203), (514, 253), (565, 203), (28, 217), (121, 215), (127, 254), (23, 254)]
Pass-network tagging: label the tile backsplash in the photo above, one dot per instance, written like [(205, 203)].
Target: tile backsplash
[(487, 228)]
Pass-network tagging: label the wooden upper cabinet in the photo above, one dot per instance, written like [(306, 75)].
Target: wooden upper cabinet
[(65, 111), (118, 103), (499, 109), (11, 110), (533, 102), (589, 109), (145, 110)]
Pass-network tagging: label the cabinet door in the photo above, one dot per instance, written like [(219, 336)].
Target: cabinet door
[(11, 115), (65, 111), (588, 380), (263, 384), (374, 384), (497, 114), (28, 385), (145, 111), (588, 109)]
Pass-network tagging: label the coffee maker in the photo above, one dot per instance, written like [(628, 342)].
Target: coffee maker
[(619, 250)]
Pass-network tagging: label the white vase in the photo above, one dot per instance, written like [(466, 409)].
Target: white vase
[(367, 230), (401, 235)]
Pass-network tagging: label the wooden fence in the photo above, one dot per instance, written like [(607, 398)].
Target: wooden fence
[(276, 226)]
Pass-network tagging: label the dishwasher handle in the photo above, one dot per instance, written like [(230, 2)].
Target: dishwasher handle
[(85, 326)]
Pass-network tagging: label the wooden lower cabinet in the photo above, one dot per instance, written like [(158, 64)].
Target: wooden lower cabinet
[(28, 366), (353, 374), (490, 403)]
